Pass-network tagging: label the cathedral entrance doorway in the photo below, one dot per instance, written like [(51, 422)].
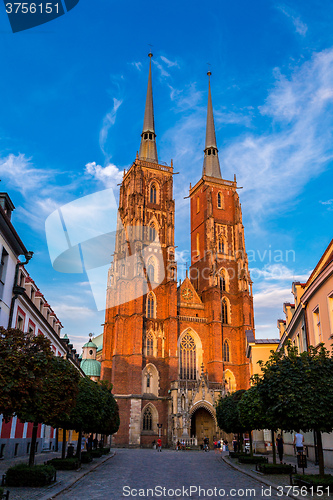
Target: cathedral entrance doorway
[(202, 425)]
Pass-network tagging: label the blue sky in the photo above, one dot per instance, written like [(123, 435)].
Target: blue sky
[(71, 113)]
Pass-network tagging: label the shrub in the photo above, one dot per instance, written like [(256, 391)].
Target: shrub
[(23, 475), (314, 479), (96, 453), (236, 454), (64, 464), (86, 457), (252, 460), (106, 450), (276, 468)]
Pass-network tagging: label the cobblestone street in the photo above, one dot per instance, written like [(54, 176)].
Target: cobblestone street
[(133, 470)]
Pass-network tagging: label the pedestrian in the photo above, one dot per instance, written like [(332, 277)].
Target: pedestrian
[(219, 446), (226, 445), (279, 446), (298, 442), (95, 443), (159, 444), (215, 446), (83, 443), (90, 442), (178, 446), (235, 444)]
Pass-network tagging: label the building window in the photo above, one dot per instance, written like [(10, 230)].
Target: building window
[(151, 305), (198, 205), (151, 270), (150, 344), (330, 311), (224, 308), (221, 245), (198, 244), (220, 200), (152, 232), (222, 281), (148, 380), (147, 421), (316, 326), (153, 192), (188, 367), (226, 355), (20, 322), (3, 264)]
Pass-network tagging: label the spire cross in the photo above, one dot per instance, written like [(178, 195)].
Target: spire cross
[(150, 52)]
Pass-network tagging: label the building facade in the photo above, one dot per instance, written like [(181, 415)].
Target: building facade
[(171, 350), (23, 306), (309, 322)]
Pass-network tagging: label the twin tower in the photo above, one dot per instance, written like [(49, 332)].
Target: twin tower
[(172, 350)]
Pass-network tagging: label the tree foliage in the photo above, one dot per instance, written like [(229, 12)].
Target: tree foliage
[(252, 414), (298, 389), (227, 413), (24, 359)]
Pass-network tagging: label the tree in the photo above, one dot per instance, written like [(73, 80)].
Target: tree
[(54, 397), (298, 391), (95, 410), (253, 415), (227, 414), (35, 385), (23, 364)]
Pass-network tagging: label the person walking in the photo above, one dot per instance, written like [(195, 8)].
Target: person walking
[(298, 442), (159, 444), (279, 446)]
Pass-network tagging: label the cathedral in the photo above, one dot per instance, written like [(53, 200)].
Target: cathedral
[(171, 350)]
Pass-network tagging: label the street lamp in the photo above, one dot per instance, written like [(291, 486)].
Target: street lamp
[(159, 429)]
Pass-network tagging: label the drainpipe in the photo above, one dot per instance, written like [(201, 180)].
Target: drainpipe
[(18, 290)]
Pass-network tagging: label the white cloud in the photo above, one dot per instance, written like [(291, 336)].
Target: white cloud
[(21, 174), (161, 68), (274, 167), (110, 175), (277, 272), (108, 121), (328, 204), (137, 65), (300, 27), (67, 311), (169, 63)]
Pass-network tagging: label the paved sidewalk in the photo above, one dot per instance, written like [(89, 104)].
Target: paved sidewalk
[(65, 479), (275, 480)]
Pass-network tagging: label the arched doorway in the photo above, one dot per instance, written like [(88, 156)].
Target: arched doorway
[(202, 425)]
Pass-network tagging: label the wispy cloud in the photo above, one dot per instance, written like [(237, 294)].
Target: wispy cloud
[(20, 173), (274, 167), (108, 120), (169, 63), (109, 175), (328, 204), (300, 27), (277, 272), (137, 65)]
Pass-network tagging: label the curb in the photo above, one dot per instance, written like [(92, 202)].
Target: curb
[(254, 476), (63, 487)]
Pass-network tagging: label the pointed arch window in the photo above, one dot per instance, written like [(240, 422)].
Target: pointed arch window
[(221, 245), (198, 205), (151, 270), (148, 380), (188, 358), (151, 305), (222, 281), (153, 193), (226, 353), (147, 421), (220, 200), (152, 232), (198, 244), (149, 344), (224, 308)]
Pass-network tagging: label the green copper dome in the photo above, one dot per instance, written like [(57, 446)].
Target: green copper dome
[(90, 343), (91, 367)]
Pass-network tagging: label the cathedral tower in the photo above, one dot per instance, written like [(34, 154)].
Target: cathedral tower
[(140, 324), (219, 266), (171, 352)]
